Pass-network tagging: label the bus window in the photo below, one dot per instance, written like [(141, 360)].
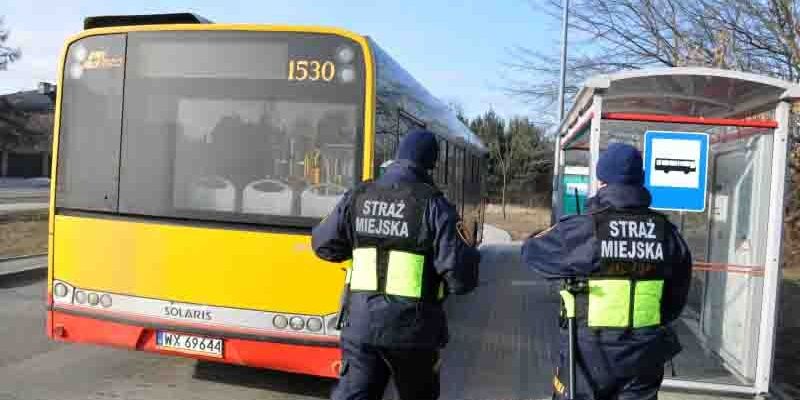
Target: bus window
[(89, 139), (408, 124), (452, 179), (476, 166), (470, 168), (461, 178), (385, 134), (437, 173), (283, 148), (456, 186), (443, 151)]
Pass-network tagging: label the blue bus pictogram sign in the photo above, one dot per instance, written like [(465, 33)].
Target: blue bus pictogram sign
[(675, 170)]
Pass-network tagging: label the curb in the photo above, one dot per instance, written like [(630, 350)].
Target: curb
[(11, 210), (31, 266)]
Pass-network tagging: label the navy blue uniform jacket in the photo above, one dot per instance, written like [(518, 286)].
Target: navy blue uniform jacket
[(569, 250), (388, 321)]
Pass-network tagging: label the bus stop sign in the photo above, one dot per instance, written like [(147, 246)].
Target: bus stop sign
[(675, 166)]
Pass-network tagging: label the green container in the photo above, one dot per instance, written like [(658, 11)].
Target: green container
[(575, 182)]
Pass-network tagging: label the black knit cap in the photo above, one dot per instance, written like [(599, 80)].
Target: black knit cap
[(621, 164), (419, 147)]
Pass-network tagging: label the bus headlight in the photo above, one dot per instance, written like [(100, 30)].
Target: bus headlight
[(94, 299), (297, 323), (347, 74), (314, 324), (280, 322), (105, 300), (80, 296), (60, 289), (345, 54), (75, 71), (80, 53), (330, 324)]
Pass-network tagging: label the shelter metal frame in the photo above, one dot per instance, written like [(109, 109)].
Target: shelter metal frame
[(698, 96)]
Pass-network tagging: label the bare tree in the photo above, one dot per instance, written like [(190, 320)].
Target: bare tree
[(520, 157), (7, 54), (758, 36), (764, 32)]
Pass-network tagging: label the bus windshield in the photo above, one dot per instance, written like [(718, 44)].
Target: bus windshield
[(231, 126)]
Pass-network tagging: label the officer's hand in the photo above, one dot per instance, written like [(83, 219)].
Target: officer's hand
[(464, 234), (541, 232), (535, 234)]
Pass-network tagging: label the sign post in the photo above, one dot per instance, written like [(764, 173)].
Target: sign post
[(676, 170)]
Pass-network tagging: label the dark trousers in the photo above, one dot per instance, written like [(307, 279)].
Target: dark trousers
[(603, 384), (366, 371)]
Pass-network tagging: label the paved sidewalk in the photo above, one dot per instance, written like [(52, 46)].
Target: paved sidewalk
[(675, 395), (494, 236), (22, 207), (6, 193), (21, 265)]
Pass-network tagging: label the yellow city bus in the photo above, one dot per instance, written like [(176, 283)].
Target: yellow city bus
[(191, 161)]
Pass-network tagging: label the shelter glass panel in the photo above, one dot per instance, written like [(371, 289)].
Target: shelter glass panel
[(719, 327), (386, 135)]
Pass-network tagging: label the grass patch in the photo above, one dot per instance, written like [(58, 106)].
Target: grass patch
[(23, 234), (520, 221)]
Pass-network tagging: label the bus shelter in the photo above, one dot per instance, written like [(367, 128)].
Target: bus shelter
[(715, 149)]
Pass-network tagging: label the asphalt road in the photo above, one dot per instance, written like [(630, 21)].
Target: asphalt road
[(32, 367), (500, 349)]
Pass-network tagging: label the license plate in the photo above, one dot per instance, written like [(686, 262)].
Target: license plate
[(189, 344)]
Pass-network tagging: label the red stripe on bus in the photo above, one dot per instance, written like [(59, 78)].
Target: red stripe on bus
[(311, 360), (685, 119)]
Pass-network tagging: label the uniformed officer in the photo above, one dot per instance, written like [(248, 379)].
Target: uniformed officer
[(634, 271), (407, 253)]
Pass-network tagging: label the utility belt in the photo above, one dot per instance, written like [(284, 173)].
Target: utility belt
[(613, 302)]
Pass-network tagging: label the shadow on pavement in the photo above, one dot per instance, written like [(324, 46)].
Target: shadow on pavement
[(24, 278), (501, 335), (786, 371), (283, 382), (502, 342)]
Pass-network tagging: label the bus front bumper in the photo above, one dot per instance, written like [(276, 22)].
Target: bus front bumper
[(296, 353)]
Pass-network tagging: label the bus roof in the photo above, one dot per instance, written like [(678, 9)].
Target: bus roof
[(106, 21)]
